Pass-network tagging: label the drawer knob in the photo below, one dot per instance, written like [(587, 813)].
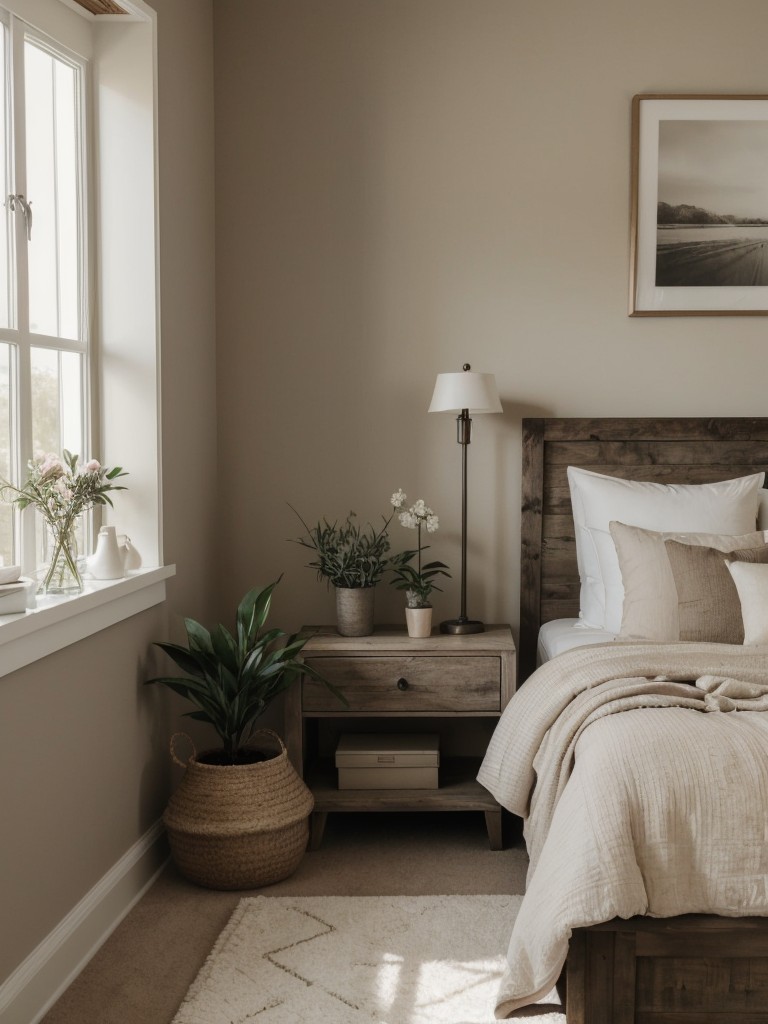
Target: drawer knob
[(402, 684)]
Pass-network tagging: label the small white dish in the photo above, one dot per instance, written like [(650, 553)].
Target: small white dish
[(9, 573)]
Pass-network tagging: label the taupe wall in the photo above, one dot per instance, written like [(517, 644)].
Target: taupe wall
[(403, 185), (83, 745)]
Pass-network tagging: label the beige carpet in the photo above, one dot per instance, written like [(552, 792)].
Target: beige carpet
[(141, 974), (357, 960)]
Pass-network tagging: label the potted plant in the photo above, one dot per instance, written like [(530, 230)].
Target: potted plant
[(418, 581), (239, 817), (353, 560)]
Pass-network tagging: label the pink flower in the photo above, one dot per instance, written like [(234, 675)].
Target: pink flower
[(92, 467), (51, 468), (64, 490)]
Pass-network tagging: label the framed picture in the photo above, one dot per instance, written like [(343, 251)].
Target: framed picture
[(699, 224)]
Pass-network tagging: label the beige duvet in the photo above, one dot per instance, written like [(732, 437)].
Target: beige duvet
[(642, 773)]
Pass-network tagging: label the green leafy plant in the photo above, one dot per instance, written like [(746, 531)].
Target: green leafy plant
[(232, 678), (348, 555), (416, 580)]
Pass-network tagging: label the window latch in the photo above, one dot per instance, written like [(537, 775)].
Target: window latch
[(18, 201)]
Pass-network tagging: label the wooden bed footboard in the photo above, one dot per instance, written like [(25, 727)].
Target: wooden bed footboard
[(695, 969)]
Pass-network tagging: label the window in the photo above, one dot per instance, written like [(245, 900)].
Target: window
[(44, 329), (76, 345)]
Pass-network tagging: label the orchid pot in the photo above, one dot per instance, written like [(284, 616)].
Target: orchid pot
[(418, 622)]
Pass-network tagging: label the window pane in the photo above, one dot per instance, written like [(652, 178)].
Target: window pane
[(6, 234), (6, 511), (57, 419), (52, 187)]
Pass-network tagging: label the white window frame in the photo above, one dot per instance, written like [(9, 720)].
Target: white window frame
[(20, 336), (126, 323)]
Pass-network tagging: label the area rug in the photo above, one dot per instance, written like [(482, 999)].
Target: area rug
[(356, 960)]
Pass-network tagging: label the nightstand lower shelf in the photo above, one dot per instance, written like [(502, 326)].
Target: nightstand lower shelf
[(458, 791)]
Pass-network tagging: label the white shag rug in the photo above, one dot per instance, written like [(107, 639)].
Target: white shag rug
[(357, 960)]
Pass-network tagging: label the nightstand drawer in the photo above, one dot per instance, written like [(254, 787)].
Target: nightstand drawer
[(405, 684)]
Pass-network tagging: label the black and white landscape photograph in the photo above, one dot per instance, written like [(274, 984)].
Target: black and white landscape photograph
[(712, 216)]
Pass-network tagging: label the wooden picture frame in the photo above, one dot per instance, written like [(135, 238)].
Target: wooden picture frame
[(699, 216)]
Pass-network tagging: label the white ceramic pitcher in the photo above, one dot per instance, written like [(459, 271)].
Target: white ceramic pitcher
[(106, 563)]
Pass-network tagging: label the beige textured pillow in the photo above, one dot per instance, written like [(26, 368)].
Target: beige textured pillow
[(708, 605), (650, 595), (752, 585)]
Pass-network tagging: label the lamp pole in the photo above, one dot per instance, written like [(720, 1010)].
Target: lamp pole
[(463, 436), (460, 393)]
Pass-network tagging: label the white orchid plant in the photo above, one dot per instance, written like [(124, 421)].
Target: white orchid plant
[(418, 581)]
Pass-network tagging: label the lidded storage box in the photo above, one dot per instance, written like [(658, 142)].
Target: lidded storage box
[(388, 761)]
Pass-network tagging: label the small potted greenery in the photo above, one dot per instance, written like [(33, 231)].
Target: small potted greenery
[(239, 817), (352, 559), (418, 581)]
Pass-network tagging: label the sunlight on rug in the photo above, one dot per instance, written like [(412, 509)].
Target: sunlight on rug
[(355, 959)]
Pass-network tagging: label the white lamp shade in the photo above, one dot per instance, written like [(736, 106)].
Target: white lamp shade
[(466, 390)]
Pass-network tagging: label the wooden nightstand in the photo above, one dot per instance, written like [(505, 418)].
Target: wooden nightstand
[(388, 678)]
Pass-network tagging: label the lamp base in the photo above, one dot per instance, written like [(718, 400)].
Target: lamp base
[(459, 626)]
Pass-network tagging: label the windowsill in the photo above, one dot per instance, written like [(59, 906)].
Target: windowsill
[(57, 622)]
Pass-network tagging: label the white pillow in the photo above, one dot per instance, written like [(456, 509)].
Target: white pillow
[(728, 506), (752, 584)]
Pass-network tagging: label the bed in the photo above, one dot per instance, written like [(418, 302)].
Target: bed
[(637, 968)]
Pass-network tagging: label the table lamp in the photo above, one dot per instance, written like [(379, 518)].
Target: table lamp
[(466, 392)]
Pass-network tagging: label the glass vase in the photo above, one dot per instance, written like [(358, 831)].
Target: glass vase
[(61, 573)]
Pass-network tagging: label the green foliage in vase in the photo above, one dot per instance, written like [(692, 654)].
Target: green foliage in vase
[(233, 677), (347, 555)]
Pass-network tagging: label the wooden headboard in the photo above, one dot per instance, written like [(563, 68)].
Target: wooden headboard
[(691, 451)]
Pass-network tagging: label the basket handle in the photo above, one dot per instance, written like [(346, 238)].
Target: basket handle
[(174, 756), (267, 732)]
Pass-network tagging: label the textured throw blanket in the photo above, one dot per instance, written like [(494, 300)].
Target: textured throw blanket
[(642, 773)]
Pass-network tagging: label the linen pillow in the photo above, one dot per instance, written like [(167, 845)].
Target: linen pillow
[(708, 605), (650, 595), (751, 582), (762, 509), (728, 506)]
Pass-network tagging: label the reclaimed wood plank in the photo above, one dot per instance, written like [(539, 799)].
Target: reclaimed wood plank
[(696, 1017), (722, 454), (530, 542), (624, 977), (599, 977), (713, 984), (575, 977), (647, 428)]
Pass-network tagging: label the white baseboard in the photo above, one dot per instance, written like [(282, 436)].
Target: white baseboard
[(36, 984)]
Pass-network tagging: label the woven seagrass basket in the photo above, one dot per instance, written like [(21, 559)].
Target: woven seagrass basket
[(238, 826)]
